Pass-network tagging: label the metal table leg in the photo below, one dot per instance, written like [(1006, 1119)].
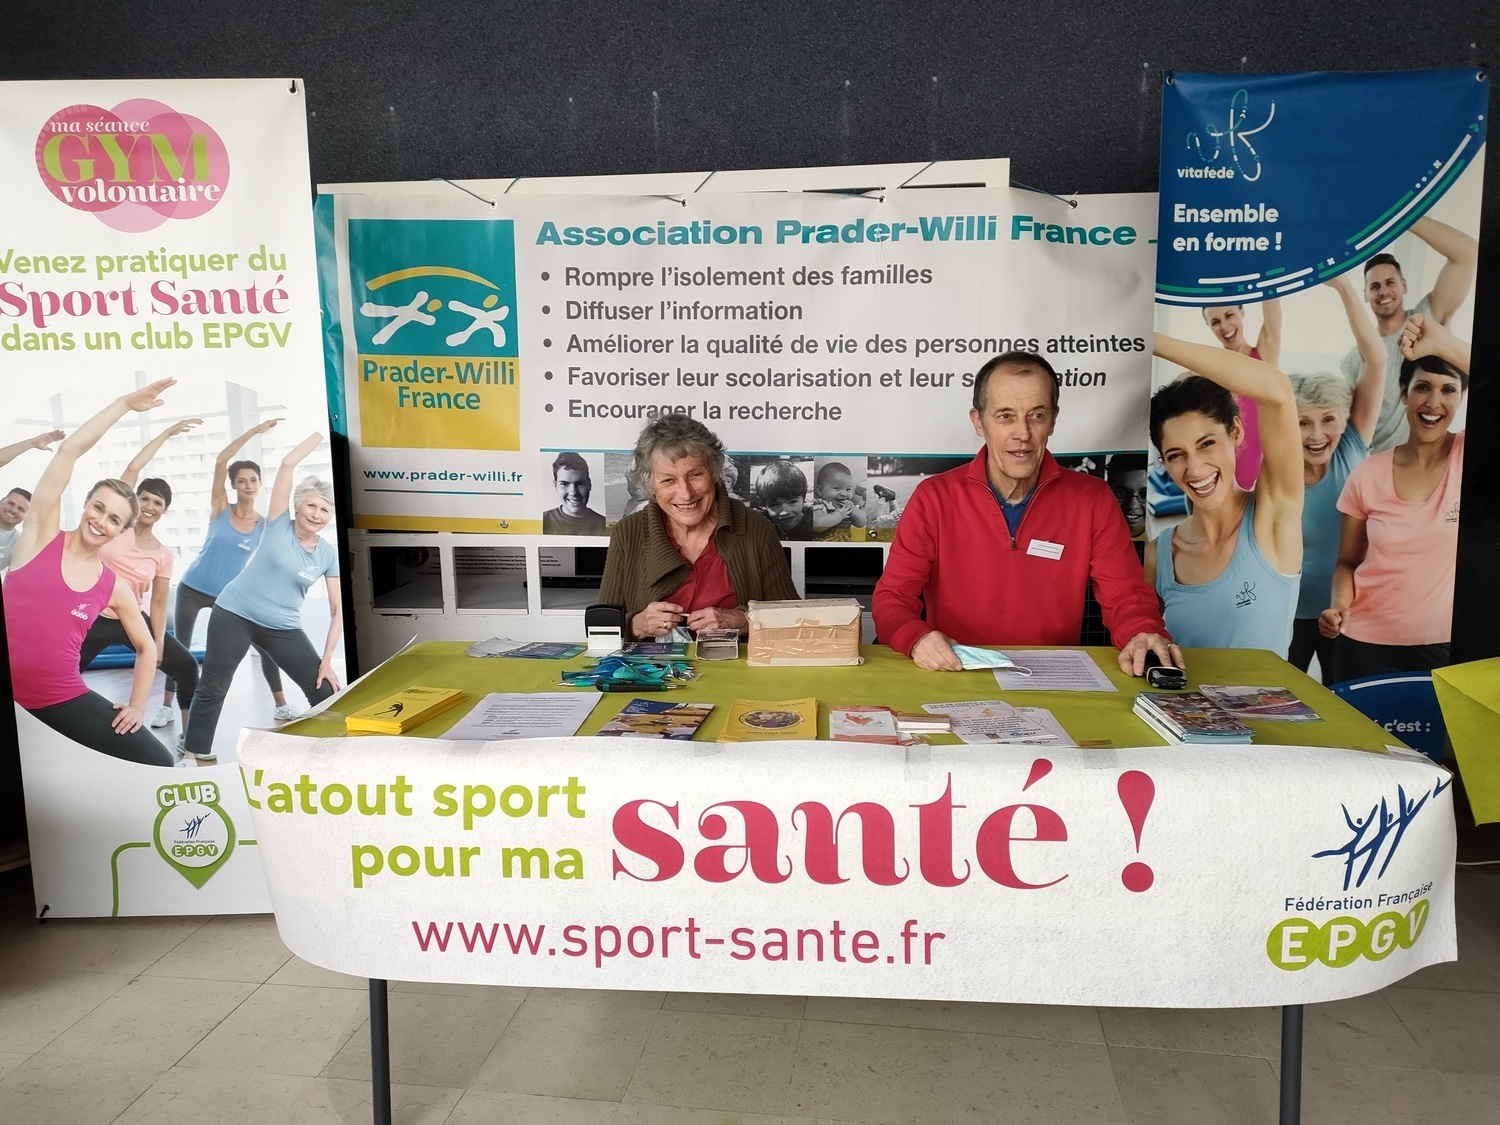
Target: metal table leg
[(380, 1052), (1291, 1064)]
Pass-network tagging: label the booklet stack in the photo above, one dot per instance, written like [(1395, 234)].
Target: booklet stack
[(919, 722), (655, 718), (398, 713), (1190, 717), (863, 724), (768, 720), (1275, 703)]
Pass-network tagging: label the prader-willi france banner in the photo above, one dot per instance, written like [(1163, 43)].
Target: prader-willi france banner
[(480, 343), (1059, 876), (1313, 221), (158, 323)]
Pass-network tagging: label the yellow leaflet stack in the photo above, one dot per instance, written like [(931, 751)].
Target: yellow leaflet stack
[(764, 720), (398, 713)]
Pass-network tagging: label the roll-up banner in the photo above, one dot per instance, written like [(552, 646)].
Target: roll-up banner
[(154, 231), (1327, 225), (500, 357)]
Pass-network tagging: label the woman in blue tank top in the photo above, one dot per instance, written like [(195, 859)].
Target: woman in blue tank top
[(1336, 425), (263, 604), (234, 531), (1228, 574)]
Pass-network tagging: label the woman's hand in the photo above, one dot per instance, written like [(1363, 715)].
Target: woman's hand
[(656, 619), (1331, 621), (127, 719), (268, 424), (44, 441), (182, 427), (326, 674), (148, 396), (718, 619), (1426, 335)]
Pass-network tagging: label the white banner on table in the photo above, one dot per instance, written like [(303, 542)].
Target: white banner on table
[(1174, 877), (154, 229), (481, 340)]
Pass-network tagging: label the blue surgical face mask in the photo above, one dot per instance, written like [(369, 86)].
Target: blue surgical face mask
[(974, 658)]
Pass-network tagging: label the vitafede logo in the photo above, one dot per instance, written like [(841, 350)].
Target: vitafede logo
[(134, 166)]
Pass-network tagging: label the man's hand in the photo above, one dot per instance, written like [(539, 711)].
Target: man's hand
[(1133, 655), (935, 653)]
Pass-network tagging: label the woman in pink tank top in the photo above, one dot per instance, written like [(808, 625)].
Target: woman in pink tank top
[(58, 584), (1392, 597), (1227, 322)]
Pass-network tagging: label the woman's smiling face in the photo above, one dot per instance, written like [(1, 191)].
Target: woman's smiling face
[(1432, 401), (105, 514), (1322, 427), (1199, 454)]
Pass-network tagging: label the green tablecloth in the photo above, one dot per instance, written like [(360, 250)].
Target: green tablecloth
[(886, 678)]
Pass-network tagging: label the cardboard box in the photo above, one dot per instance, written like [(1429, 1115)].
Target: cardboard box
[(808, 633)]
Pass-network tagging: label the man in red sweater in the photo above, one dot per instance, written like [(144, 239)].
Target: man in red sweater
[(1001, 550)]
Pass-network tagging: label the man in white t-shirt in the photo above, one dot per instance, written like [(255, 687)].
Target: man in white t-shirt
[(17, 501), (1385, 290)]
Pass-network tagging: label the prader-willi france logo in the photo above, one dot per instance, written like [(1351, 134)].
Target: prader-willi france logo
[(133, 166), (193, 833)]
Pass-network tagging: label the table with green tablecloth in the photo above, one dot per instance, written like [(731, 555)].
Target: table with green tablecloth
[(886, 678), (1310, 865)]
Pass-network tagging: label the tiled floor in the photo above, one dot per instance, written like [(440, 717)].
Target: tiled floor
[(211, 1020)]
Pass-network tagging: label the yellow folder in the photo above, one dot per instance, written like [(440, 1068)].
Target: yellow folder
[(398, 713)]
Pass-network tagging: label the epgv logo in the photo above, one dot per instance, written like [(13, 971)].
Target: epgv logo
[(192, 832), (134, 166), (1296, 943), (1376, 834), (434, 321)]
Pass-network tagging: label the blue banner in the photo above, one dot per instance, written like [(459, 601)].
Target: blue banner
[(1272, 183)]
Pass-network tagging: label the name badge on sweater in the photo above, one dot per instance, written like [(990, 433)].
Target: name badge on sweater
[(1044, 549)]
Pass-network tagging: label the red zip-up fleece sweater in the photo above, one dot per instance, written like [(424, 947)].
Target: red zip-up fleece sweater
[(954, 554)]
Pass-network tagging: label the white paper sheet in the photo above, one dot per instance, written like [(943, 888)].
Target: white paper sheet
[(1053, 669), (495, 646), (994, 720), (510, 714)]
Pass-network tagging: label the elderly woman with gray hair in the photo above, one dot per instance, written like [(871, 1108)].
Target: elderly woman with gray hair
[(695, 555), (262, 605), (1336, 424)]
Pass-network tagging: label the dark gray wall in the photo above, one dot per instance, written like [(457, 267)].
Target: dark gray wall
[(413, 89)]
